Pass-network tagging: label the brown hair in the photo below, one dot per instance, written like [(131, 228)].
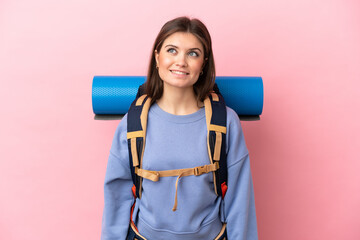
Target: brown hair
[(205, 83)]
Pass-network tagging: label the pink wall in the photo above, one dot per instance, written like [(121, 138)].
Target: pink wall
[(304, 151)]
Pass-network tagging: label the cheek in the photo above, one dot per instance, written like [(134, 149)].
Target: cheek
[(198, 66), (164, 61)]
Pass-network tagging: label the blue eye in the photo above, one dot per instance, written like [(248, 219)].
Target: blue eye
[(171, 50), (193, 54)]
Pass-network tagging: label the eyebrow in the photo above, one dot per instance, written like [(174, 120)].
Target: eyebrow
[(170, 45)]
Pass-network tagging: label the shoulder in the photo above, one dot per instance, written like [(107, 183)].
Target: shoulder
[(122, 126), (232, 119), (120, 137), (236, 146)]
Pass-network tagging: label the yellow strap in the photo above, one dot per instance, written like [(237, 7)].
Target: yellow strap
[(132, 225), (217, 149), (217, 128), (140, 100), (135, 134), (221, 232), (143, 119), (215, 97), (151, 175), (208, 115), (134, 152), (176, 188), (196, 171)]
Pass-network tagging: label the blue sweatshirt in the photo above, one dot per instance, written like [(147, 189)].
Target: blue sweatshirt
[(176, 142)]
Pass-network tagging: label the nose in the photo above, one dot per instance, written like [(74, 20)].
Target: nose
[(181, 60)]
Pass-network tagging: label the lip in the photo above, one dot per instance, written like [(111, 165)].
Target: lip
[(172, 71)]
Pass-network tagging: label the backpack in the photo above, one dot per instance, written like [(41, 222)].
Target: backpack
[(215, 111)]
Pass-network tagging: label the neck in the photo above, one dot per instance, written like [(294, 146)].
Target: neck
[(179, 101)]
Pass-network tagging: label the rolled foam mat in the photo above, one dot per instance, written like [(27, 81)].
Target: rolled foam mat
[(114, 94)]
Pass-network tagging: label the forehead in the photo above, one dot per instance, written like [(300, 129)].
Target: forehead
[(183, 40)]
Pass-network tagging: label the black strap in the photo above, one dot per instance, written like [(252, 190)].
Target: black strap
[(141, 91), (134, 125), (219, 118)]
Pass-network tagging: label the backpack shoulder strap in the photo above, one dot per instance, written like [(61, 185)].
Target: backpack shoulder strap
[(136, 132), (215, 111)]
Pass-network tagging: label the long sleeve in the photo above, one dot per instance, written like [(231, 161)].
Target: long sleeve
[(118, 197), (239, 202)]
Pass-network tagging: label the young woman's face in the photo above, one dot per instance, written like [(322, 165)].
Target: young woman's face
[(180, 60)]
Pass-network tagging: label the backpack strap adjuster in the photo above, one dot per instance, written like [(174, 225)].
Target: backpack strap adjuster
[(199, 170), (205, 169)]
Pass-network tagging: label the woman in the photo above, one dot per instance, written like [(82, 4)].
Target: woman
[(181, 75)]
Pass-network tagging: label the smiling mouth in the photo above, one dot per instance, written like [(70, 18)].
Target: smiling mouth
[(179, 72)]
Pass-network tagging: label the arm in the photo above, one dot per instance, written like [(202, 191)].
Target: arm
[(118, 197), (239, 203)]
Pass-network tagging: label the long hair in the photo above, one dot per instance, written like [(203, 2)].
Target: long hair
[(154, 85)]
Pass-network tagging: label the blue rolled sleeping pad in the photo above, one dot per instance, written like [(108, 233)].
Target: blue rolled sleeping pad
[(113, 95)]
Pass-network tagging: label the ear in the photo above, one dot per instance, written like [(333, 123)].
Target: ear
[(156, 57)]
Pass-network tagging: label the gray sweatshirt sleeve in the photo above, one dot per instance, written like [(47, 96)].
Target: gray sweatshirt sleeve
[(118, 197), (239, 203)]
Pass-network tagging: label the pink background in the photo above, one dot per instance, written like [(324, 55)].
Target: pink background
[(304, 152)]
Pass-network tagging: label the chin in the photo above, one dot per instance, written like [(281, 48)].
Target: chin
[(179, 85)]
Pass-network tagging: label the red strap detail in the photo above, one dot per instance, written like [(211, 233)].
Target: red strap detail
[(134, 190), (131, 213), (133, 206), (224, 188)]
